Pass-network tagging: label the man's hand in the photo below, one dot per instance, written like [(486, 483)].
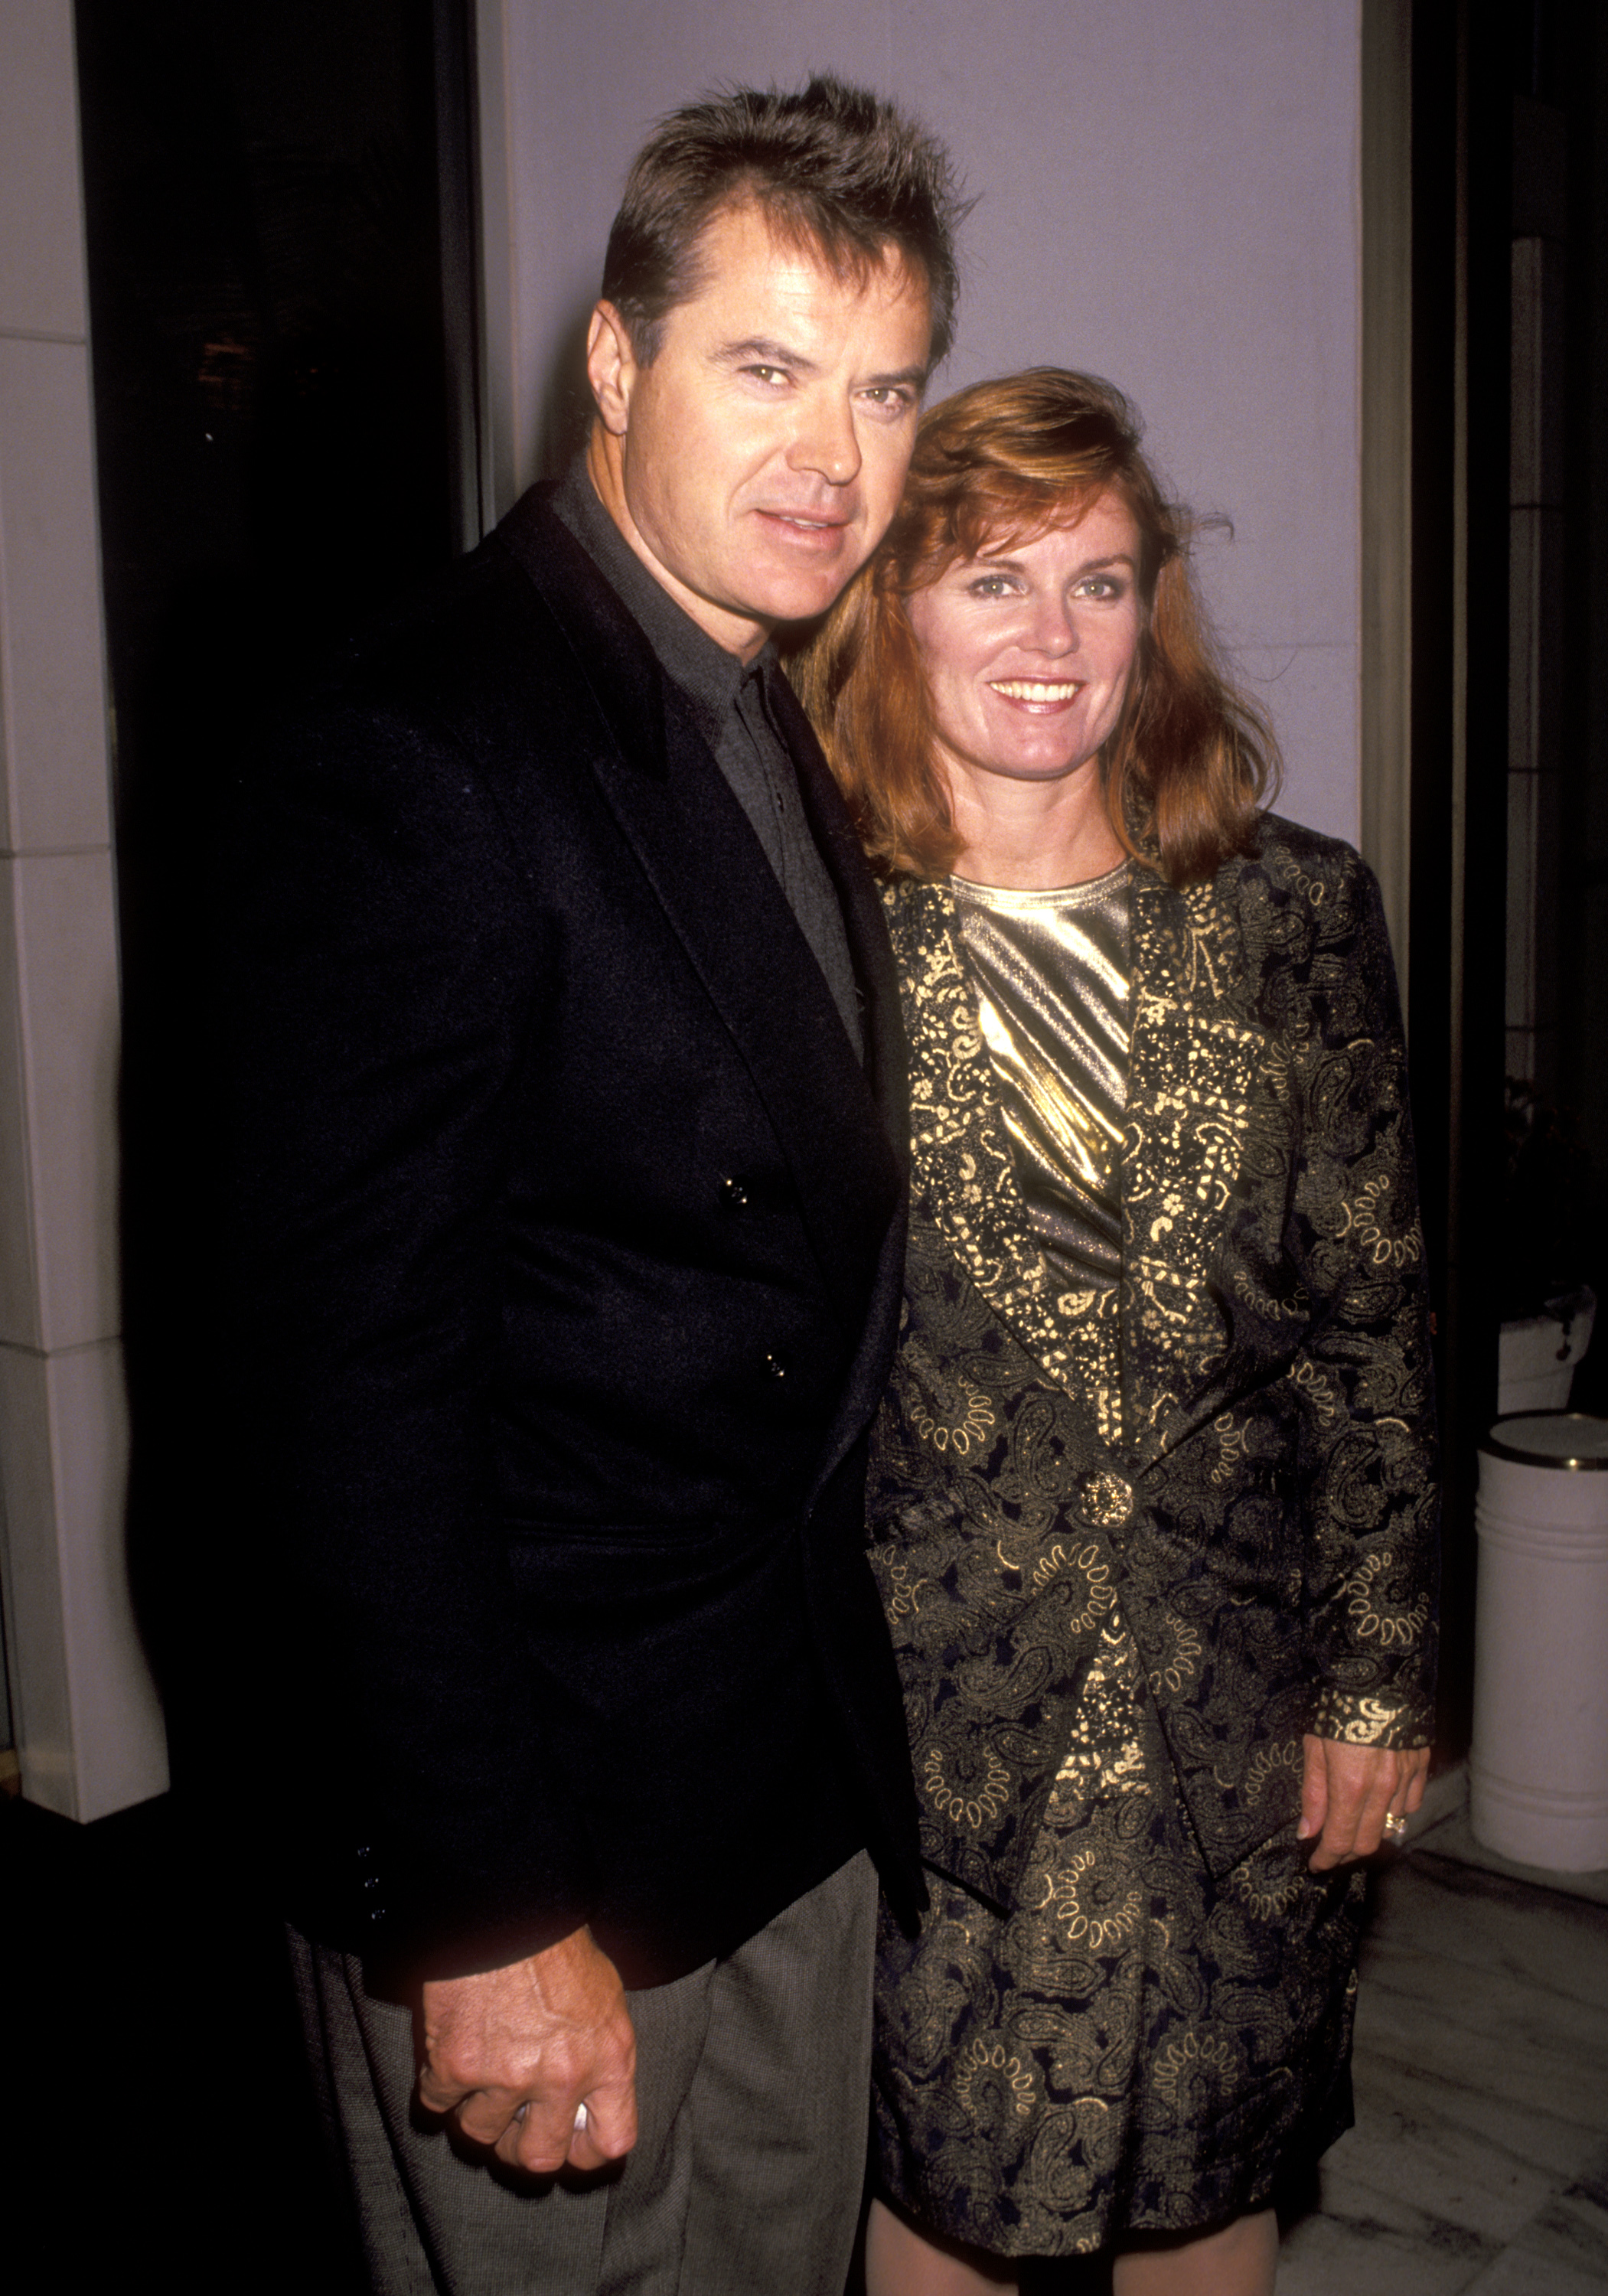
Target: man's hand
[(1347, 1794), (514, 2052)]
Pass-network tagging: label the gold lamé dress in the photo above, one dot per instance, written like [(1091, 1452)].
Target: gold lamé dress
[(1126, 2043)]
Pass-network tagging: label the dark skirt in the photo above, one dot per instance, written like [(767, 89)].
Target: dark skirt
[(1134, 2047)]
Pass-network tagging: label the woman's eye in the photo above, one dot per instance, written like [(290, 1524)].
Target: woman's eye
[(989, 586), (1100, 586)]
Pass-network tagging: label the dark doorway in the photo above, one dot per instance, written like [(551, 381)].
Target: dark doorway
[(275, 193), (276, 205), (1509, 965)]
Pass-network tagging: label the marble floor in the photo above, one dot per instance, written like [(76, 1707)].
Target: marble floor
[(1480, 2158)]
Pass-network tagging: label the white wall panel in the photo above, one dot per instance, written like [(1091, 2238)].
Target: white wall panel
[(88, 1727)]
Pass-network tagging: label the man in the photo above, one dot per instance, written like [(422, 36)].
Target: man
[(567, 1245)]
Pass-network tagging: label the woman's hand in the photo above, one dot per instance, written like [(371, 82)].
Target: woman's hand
[(1348, 1792)]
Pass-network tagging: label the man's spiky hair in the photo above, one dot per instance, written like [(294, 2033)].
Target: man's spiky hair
[(832, 167)]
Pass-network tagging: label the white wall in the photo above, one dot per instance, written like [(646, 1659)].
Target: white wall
[(1167, 197), (89, 1731)]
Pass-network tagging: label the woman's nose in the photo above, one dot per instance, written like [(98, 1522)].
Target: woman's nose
[(1053, 628)]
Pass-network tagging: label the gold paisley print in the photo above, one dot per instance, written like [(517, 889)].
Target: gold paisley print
[(967, 1422), (1170, 1529), (970, 1802), (1374, 1622), (992, 2086), (1092, 1904), (1185, 1652)]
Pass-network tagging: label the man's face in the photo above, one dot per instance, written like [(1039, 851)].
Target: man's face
[(762, 454)]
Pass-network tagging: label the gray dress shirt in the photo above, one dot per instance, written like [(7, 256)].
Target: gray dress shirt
[(730, 701)]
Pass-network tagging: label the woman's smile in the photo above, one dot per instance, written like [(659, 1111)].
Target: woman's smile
[(1036, 693)]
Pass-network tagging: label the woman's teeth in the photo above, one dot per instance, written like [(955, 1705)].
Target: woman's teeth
[(1034, 689)]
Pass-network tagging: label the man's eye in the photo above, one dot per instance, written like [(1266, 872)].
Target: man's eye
[(766, 373), (889, 394)]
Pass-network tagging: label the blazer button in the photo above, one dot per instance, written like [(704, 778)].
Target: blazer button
[(1104, 1498), (775, 1367), (733, 1195)]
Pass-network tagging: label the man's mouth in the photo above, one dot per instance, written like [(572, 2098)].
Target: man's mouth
[(799, 523), (1038, 689)]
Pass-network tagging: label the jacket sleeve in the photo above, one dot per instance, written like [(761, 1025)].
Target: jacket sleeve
[(1366, 1446), (388, 974)]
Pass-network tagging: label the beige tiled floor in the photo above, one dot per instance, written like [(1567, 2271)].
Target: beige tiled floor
[(1480, 2158)]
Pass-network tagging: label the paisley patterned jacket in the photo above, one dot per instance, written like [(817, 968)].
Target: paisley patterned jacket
[(1231, 1458)]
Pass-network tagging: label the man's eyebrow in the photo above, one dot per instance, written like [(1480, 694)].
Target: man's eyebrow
[(757, 347), (772, 354)]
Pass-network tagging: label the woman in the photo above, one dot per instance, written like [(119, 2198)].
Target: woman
[(1152, 1490)]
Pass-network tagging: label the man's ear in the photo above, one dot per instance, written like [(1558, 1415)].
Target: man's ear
[(610, 368)]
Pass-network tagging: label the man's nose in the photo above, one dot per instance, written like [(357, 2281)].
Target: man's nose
[(827, 440)]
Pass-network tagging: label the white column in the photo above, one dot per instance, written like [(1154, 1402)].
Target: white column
[(88, 1725)]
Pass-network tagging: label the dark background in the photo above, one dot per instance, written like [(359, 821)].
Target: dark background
[(271, 188), (1509, 142)]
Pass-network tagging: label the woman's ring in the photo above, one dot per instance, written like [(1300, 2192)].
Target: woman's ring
[(1395, 1826)]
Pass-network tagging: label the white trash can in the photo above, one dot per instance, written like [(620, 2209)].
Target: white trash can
[(1538, 1766)]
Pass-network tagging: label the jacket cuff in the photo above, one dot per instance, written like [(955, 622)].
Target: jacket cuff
[(1398, 1723)]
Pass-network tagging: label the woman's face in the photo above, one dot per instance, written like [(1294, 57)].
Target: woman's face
[(1028, 651)]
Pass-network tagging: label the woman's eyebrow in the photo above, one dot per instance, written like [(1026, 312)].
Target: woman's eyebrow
[(1089, 565)]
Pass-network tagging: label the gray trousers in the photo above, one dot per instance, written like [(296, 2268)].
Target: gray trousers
[(753, 2085)]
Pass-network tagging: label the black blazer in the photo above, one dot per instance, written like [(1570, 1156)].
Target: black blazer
[(566, 1240)]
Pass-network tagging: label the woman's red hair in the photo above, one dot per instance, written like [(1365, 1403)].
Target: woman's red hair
[(1192, 758)]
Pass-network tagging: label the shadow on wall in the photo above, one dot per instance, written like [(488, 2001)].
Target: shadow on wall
[(565, 412)]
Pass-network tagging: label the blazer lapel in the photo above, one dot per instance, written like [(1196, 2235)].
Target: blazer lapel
[(706, 868), (869, 948), (885, 1058), (1193, 1055)]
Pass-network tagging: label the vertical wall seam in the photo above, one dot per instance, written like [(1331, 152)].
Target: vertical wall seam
[(1385, 447)]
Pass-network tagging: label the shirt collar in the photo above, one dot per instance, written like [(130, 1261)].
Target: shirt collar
[(706, 671)]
